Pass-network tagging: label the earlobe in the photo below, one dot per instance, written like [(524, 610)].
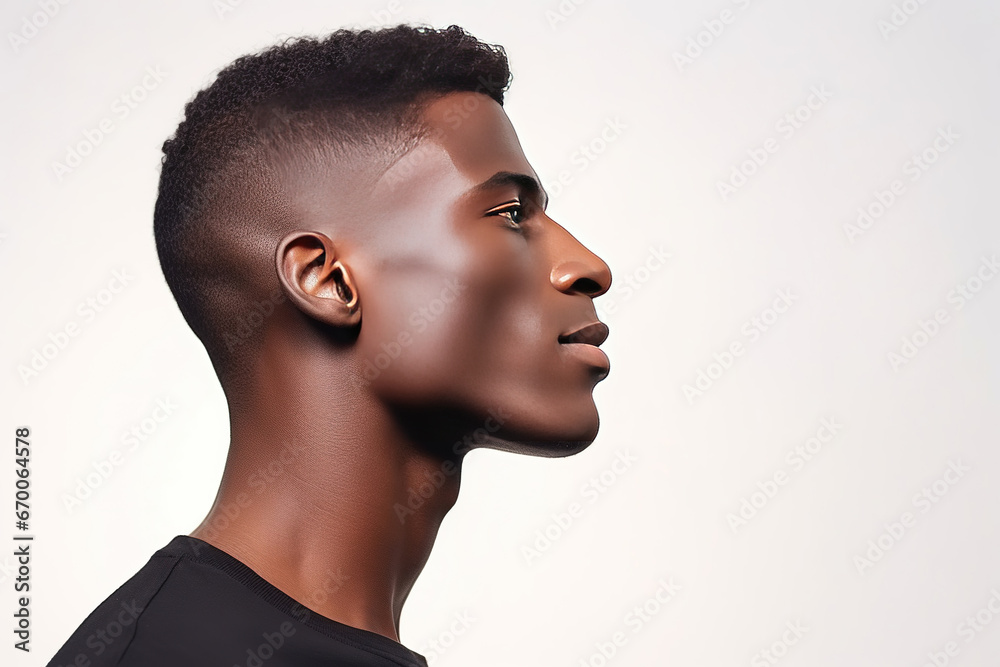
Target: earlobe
[(316, 280)]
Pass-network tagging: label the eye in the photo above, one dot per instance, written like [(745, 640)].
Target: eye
[(514, 215), (514, 212)]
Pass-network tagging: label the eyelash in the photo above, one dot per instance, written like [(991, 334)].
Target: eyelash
[(509, 208)]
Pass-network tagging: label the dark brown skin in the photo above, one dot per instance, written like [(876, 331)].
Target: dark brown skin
[(371, 250)]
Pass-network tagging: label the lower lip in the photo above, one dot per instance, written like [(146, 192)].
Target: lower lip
[(589, 353)]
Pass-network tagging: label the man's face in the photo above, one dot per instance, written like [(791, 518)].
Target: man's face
[(466, 289)]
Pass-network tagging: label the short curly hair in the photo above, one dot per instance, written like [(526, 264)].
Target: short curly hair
[(353, 92)]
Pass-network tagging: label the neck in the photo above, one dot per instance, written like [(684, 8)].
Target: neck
[(330, 501)]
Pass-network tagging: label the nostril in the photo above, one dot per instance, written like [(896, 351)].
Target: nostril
[(587, 286)]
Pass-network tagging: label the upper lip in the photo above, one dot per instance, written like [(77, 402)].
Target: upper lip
[(592, 334)]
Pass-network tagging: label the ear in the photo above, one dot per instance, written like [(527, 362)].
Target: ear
[(315, 279)]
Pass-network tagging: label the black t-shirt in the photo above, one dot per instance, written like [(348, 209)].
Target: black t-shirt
[(193, 605)]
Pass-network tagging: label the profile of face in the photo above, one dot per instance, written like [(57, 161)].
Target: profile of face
[(475, 305)]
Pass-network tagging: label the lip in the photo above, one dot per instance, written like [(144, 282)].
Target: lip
[(593, 333), (591, 355), (583, 342)]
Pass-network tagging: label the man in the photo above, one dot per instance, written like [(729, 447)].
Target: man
[(351, 228)]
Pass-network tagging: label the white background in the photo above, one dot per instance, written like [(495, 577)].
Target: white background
[(684, 128)]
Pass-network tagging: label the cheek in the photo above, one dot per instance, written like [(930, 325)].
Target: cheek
[(513, 337), (404, 343), (457, 331), (502, 315)]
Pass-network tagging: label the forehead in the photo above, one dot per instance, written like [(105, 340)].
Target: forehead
[(476, 133), (467, 139)]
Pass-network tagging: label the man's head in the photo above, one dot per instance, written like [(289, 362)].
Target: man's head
[(360, 207)]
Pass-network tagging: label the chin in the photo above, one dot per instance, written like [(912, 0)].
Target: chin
[(542, 448), (547, 437), (562, 449)]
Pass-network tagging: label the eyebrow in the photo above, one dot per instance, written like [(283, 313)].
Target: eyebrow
[(523, 181)]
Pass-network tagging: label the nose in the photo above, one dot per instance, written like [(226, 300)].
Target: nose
[(577, 269)]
